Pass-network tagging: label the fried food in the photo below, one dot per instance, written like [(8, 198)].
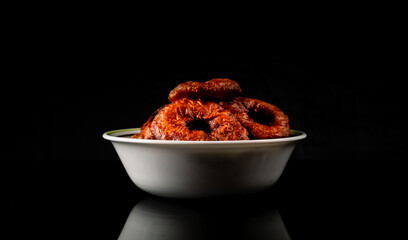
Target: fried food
[(261, 119), (215, 88), (211, 111), (195, 120), (145, 130)]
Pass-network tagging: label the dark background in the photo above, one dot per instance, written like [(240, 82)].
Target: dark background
[(72, 82), (339, 87)]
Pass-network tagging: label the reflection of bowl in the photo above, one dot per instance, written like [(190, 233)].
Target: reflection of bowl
[(158, 218), (188, 169)]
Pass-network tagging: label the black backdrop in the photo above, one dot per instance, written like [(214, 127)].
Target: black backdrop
[(337, 87), (70, 83)]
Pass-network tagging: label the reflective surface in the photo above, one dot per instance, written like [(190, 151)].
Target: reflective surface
[(245, 218), (312, 200)]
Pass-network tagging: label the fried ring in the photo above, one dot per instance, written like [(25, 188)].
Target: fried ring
[(195, 120), (215, 88), (145, 130), (263, 120)]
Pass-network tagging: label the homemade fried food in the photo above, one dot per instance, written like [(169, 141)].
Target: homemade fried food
[(194, 120), (215, 89), (262, 120), (145, 130), (211, 111)]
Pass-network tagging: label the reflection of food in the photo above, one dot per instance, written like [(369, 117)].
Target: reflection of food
[(211, 111), (158, 218), (215, 88)]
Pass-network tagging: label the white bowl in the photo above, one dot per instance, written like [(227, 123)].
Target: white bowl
[(191, 169)]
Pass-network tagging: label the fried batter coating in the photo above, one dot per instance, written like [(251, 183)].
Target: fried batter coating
[(145, 130), (196, 120), (195, 115), (275, 123), (215, 88)]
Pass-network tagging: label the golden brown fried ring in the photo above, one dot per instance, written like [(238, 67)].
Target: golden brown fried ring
[(276, 125), (215, 88), (145, 130), (195, 120)]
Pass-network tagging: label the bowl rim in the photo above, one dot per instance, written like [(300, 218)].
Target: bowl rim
[(118, 136)]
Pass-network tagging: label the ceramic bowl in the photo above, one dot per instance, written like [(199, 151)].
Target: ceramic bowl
[(193, 169)]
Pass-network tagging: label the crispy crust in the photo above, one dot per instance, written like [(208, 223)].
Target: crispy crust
[(173, 120), (215, 88), (278, 126), (188, 117), (145, 130)]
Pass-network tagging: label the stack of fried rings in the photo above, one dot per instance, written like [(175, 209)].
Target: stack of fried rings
[(221, 116)]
